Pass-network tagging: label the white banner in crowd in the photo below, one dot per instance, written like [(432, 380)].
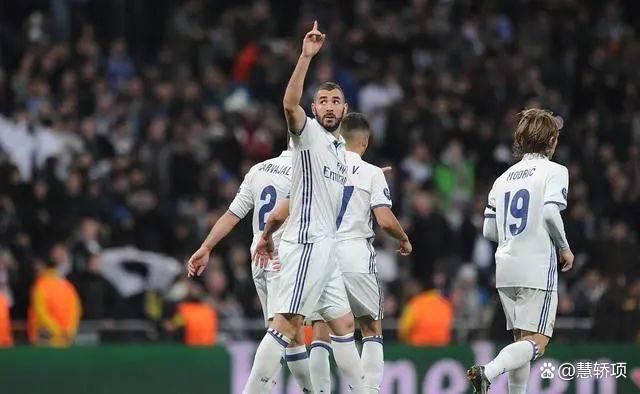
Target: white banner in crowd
[(162, 270)]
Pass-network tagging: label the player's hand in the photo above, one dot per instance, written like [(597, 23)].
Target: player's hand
[(198, 262), (313, 41), (405, 248), (264, 252), (566, 258)]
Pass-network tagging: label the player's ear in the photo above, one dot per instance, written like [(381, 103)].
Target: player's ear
[(345, 109), (313, 110)]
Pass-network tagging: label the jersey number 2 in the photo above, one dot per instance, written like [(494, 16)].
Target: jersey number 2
[(268, 196), (518, 208)]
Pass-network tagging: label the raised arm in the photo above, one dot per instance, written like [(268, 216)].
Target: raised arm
[(293, 112)]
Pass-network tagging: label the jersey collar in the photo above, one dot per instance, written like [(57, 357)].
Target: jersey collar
[(286, 153), (534, 156)]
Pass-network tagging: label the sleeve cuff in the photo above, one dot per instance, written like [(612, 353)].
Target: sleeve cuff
[(560, 205), (490, 215), (381, 205), (299, 132), (235, 214)]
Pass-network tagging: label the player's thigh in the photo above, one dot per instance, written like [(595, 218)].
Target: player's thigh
[(333, 302), (272, 280), (535, 311), (262, 289), (364, 293), (305, 270), (507, 297)]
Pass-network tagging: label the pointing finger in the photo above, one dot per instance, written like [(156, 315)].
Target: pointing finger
[(315, 25)]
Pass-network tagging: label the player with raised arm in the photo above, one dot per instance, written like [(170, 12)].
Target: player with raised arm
[(310, 280), (523, 217), (365, 196), (263, 186)]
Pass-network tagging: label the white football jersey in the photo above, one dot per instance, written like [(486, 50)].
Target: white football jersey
[(526, 256), (366, 189), (263, 187), (318, 177)]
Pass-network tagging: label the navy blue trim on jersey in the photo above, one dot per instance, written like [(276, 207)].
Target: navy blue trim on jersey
[(307, 195), (323, 345), (381, 205), (234, 214), (546, 306), (490, 215), (491, 207), (380, 298), (301, 277), (342, 340), (376, 338), (372, 256), (299, 133), (562, 205), (296, 357)]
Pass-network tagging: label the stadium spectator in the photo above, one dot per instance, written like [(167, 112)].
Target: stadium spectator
[(145, 118), (427, 319), (55, 310), (195, 318)]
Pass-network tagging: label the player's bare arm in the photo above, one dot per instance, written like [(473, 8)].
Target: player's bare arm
[(390, 224), (293, 112), (265, 247), (199, 260)]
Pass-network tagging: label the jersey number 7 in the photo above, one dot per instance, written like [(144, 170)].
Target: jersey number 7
[(518, 208)]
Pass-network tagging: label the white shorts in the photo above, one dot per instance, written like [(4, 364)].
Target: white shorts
[(310, 281), (267, 283), (528, 309), (357, 260), (365, 294)]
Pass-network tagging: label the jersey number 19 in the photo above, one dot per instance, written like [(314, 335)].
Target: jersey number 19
[(518, 208)]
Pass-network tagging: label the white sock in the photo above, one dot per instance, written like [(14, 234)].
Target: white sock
[(269, 387), (511, 357), (320, 366), (348, 360), (266, 361), (518, 379), (372, 362), (298, 363)]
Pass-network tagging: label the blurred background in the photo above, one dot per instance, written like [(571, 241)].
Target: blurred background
[(126, 128)]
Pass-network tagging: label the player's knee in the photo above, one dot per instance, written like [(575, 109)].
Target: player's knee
[(342, 325), (539, 343), (369, 327), (321, 331), (287, 324)]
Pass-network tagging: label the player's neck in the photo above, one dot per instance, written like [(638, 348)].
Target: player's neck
[(534, 155), (358, 151)]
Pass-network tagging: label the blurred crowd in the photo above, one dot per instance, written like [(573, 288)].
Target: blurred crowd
[(132, 123)]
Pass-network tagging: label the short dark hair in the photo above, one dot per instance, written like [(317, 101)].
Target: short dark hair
[(329, 86), (354, 121)]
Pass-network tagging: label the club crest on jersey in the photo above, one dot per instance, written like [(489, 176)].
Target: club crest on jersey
[(387, 193), (564, 193)]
